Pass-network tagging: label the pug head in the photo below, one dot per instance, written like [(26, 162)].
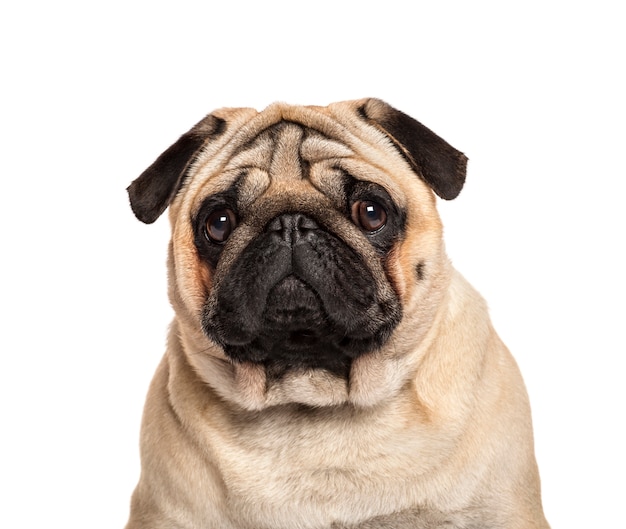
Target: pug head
[(306, 261)]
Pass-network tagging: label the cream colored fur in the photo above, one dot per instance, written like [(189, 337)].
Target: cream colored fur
[(432, 431)]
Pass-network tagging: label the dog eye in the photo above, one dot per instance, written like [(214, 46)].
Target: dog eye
[(220, 224), (369, 216)]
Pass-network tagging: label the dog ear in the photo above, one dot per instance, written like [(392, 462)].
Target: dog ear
[(157, 186), (439, 164)]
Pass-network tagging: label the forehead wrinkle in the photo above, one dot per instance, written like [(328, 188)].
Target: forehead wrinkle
[(286, 161), (289, 151), (316, 148), (252, 185), (256, 153), (329, 180)]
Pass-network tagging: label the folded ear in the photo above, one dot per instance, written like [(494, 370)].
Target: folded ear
[(439, 164), (157, 186)]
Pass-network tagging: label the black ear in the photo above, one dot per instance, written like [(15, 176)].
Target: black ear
[(157, 186), (439, 164)]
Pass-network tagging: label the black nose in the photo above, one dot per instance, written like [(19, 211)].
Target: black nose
[(293, 227)]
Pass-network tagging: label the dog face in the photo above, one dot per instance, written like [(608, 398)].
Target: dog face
[(306, 259)]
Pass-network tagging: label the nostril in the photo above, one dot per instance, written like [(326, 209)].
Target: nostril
[(275, 225), (306, 223)]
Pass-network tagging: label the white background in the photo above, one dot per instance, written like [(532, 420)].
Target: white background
[(533, 92)]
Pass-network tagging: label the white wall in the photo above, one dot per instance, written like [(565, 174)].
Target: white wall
[(532, 92)]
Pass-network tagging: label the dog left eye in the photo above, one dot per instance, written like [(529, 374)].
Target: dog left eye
[(368, 215), (220, 224)]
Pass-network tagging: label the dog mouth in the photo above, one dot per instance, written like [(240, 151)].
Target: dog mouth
[(293, 304), (294, 333), (294, 318)]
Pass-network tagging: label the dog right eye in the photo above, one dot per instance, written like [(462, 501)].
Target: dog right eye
[(368, 215), (219, 225)]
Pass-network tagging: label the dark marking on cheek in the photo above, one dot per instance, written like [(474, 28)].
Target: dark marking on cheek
[(419, 270)]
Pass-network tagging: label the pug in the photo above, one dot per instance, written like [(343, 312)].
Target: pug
[(327, 368)]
